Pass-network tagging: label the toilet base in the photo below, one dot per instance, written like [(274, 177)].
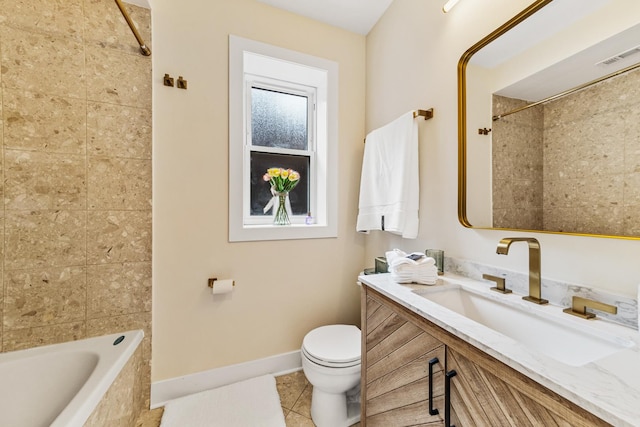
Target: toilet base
[(333, 410), (353, 413)]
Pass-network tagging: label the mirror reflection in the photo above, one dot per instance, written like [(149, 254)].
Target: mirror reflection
[(561, 98)]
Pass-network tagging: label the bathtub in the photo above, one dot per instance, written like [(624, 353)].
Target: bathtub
[(61, 385)]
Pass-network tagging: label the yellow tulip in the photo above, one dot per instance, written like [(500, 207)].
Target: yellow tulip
[(273, 171)]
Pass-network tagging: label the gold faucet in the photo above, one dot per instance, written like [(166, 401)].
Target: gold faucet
[(579, 307), (535, 289)]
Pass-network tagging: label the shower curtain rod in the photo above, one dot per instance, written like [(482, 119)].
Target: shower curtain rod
[(143, 47), (567, 92)]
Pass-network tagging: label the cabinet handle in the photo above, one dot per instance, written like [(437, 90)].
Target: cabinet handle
[(447, 397), (432, 362)]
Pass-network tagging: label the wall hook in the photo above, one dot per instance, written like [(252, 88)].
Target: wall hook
[(168, 80), (182, 83)]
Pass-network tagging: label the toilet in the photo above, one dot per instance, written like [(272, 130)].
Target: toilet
[(331, 358)]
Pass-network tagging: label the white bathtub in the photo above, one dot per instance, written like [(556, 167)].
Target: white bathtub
[(60, 385)]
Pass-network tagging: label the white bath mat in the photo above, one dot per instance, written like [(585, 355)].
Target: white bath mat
[(250, 403)]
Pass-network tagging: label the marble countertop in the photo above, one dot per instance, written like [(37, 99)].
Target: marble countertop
[(608, 387)]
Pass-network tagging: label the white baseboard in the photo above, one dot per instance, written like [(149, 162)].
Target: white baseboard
[(165, 390)]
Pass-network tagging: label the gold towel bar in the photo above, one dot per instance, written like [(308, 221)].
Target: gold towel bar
[(427, 114)]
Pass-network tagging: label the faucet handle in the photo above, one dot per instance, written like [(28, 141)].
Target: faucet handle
[(579, 307), (500, 283)]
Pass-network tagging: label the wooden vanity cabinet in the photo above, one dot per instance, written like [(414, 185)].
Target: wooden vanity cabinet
[(398, 346), (395, 369)]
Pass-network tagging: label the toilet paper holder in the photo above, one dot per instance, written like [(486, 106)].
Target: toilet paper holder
[(212, 280)]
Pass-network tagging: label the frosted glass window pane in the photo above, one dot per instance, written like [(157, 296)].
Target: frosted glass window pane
[(278, 119), (260, 190)]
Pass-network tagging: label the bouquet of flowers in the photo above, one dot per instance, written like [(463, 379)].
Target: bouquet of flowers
[(282, 181)]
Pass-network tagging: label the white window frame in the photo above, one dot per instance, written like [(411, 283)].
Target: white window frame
[(256, 63)]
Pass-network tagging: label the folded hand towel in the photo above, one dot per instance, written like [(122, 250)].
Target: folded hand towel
[(412, 277), (398, 256), (423, 262), (389, 185), (405, 269)]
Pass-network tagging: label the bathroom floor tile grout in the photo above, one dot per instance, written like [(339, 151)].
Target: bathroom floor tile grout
[(294, 403), (293, 409)]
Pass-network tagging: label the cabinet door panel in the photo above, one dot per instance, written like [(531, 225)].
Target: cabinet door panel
[(413, 415), (385, 328), (536, 416), (377, 316), (394, 341), (472, 399), (371, 306), (406, 374), (402, 355), (396, 370), (402, 396), (481, 398)]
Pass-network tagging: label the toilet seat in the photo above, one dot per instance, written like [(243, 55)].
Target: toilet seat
[(333, 346)]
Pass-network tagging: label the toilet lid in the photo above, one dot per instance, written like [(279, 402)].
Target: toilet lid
[(333, 345)]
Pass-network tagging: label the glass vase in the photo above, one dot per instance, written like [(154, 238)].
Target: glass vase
[(281, 216)]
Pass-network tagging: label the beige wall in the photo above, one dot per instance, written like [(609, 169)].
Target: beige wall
[(412, 55), (479, 172), (76, 149), (283, 288)]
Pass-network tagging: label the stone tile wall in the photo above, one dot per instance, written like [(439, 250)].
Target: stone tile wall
[(75, 135), (583, 150), (517, 166), (592, 159)]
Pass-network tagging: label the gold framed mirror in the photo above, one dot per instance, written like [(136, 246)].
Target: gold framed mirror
[(549, 122)]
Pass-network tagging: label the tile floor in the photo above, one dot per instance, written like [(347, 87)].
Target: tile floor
[(295, 398)]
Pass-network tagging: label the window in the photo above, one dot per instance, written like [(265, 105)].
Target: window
[(280, 119), (282, 113)]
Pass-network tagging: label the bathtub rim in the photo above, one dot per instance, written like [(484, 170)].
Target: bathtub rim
[(111, 361), (109, 366)]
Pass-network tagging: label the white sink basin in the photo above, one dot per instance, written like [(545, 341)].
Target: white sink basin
[(561, 338)]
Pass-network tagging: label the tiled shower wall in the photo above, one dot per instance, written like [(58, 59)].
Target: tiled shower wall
[(592, 159), (583, 150), (75, 104), (517, 166)]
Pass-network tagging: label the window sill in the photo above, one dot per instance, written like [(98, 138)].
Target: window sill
[(282, 232)]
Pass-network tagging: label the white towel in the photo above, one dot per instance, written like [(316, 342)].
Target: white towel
[(403, 269), (389, 185)]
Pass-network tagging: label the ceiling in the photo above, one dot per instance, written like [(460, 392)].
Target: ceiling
[(542, 25), (571, 72), (580, 68), (357, 16)]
